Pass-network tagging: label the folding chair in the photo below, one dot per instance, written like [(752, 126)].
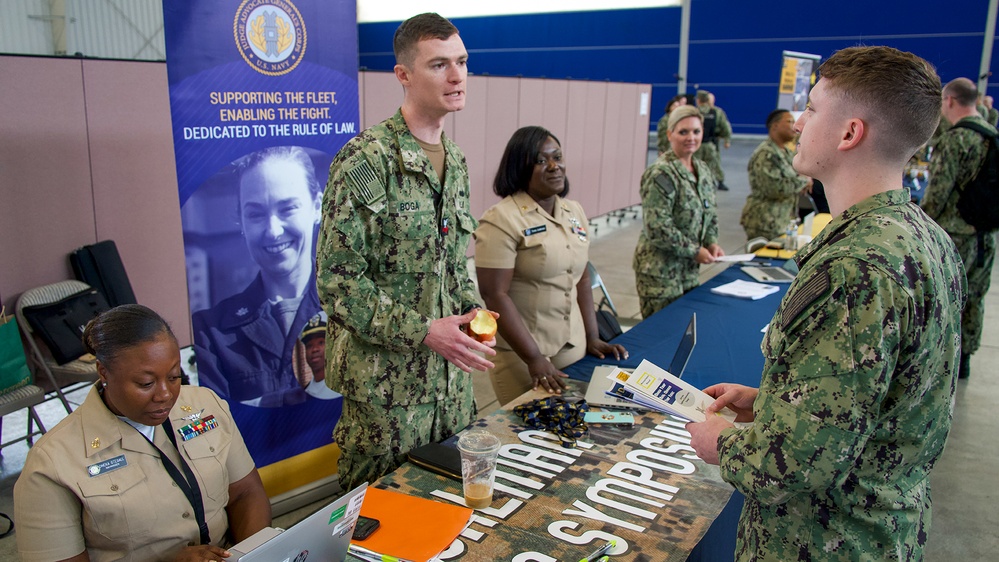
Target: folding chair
[(17, 399), (63, 378), (597, 282)]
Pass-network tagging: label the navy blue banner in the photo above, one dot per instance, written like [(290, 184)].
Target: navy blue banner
[(263, 93)]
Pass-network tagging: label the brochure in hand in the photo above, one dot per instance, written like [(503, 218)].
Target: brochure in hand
[(655, 388)]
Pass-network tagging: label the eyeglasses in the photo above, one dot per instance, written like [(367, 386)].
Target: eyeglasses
[(546, 162)]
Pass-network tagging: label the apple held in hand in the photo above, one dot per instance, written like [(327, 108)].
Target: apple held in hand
[(483, 326)]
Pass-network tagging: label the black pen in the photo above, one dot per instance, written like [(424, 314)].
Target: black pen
[(602, 550)]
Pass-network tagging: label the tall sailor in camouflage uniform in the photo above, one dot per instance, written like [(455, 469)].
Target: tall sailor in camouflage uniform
[(391, 265), (679, 216), (716, 130), (774, 185), (855, 400), (958, 156)]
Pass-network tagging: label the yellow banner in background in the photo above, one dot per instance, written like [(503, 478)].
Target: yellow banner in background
[(788, 76), (302, 469)]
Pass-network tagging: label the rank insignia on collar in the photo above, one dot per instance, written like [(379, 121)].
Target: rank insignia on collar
[(96, 443), (186, 408), (200, 427)]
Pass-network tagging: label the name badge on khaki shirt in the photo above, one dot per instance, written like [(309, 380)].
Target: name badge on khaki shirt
[(107, 466), (535, 230)]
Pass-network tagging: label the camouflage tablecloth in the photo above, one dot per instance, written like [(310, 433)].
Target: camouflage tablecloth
[(642, 486)]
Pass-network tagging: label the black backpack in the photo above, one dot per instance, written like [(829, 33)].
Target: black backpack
[(978, 202)]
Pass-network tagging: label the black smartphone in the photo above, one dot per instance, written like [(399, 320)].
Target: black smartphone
[(364, 527)]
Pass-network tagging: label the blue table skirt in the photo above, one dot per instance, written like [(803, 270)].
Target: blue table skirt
[(729, 332)]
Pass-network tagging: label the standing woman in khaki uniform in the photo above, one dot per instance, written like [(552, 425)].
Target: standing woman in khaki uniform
[(145, 469), (531, 251)]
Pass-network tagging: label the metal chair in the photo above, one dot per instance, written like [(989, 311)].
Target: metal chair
[(13, 400), (63, 378), (597, 282)]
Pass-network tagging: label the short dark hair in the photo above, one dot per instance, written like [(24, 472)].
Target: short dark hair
[(899, 91), (120, 328), (774, 116), (416, 29), (963, 91), (675, 99), (518, 161)]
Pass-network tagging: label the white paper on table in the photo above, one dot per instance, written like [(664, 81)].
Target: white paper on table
[(736, 257), (745, 289)]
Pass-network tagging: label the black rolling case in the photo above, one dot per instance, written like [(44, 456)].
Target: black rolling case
[(99, 266)]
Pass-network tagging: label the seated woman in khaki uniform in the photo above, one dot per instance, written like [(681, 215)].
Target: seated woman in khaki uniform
[(145, 469), (531, 251)]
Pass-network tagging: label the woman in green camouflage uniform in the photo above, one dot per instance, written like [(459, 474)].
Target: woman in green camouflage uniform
[(680, 229)]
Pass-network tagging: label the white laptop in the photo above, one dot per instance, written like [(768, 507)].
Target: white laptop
[(321, 537), (597, 392), (772, 274)]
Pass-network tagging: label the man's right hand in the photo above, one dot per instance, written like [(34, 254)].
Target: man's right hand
[(447, 338), (736, 397)]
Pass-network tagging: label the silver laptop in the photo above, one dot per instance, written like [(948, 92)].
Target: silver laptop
[(324, 535), (772, 274), (597, 392)]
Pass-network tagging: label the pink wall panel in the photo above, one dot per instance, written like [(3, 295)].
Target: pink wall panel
[(628, 104), (574, 143), (611, 180), (502, 102), (639, 154), (382, 97), (45, 197), (360, 100), (593, 147), (135, 182), (532, 102), (469, 133), (555, 109)]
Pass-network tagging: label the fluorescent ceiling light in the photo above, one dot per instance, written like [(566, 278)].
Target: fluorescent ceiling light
[(398, 10)]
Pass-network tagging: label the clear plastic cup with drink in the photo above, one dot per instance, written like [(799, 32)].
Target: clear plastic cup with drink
[(479, 450)]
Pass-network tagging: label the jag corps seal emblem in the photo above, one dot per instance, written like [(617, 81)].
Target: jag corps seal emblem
[(270, 34)]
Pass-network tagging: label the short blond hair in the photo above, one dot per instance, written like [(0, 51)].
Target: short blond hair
[(681, 113)]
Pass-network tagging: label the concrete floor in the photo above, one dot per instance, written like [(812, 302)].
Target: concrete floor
[(965, 482)]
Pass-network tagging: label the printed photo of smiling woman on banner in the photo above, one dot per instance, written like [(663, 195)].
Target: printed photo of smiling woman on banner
[(263, 93)]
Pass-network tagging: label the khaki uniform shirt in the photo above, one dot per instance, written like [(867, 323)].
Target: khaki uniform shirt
[(548, 255), (855, 399), (391, 257), (95, 483)]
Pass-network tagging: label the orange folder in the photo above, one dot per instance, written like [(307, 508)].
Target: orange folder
[(411, 528)]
